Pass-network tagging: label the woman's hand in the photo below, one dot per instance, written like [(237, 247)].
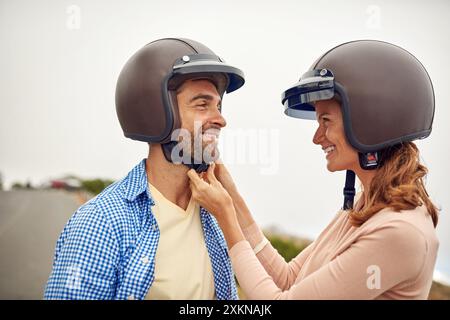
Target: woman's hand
[(210, 194), (243, 213), (225, 178)]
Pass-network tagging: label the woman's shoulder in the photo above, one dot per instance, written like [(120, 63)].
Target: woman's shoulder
[(414, 225), (417, 216)]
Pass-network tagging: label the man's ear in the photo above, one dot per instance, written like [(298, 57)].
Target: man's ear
[(152, 145), (173, 96)]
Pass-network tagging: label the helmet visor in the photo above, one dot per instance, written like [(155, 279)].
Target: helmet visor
[(313, 86), (206, 63)]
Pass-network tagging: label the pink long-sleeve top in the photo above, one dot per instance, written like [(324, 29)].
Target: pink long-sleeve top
[(391, 256)]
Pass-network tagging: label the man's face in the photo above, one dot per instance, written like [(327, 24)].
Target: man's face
[(199, 104)]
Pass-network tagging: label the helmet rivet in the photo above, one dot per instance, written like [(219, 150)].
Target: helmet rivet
[(186, 58), (323, 72)]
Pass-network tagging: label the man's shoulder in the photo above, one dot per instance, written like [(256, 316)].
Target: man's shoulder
[(115, 203), (107, 205)]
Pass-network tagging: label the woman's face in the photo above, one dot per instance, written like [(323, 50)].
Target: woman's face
[(330, 136)]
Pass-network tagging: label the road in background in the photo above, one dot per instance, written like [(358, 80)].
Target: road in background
[(30, 223)]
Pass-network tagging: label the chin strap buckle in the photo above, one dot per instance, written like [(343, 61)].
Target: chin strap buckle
[(167, 151)]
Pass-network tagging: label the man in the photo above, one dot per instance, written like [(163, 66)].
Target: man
[(144, 237)]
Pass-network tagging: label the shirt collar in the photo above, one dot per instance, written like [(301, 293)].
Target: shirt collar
[(136, 183)]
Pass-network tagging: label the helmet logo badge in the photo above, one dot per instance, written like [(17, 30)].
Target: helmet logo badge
[(369, 160), (371, 157)]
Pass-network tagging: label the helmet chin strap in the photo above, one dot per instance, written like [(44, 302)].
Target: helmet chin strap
[(367, 161), (167, 151)]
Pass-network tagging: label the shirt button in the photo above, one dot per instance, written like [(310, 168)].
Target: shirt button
[(130, 297), (145, 260)]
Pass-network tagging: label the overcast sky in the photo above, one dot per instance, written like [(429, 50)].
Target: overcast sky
[(59, 62)]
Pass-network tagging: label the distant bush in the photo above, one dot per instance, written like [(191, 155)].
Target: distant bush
[(17, 185), (95, 186)]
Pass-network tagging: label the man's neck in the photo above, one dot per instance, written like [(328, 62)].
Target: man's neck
[(170, 179)]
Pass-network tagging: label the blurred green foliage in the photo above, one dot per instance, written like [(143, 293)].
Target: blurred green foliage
[(95, 186), (17, 185)]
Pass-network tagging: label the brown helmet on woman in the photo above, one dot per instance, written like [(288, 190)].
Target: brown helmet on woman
[(386, 97)]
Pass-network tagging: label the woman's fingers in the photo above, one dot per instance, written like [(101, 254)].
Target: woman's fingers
[(193, 190), (199, 185), (196, 194), (195, 179), (210, 173)]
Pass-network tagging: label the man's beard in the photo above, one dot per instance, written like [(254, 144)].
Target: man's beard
[(204, 149), (197, 147)]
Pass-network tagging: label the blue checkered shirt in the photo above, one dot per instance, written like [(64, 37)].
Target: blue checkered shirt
[(107, 248)]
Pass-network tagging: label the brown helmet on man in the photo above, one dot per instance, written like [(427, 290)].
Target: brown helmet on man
[(146, 88)]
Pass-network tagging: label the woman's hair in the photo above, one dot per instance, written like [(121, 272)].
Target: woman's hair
[(398, 184)]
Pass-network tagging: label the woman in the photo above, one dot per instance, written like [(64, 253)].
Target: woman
[(370, 99)]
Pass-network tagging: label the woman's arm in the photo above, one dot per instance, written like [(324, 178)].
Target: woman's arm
[(244, 216), (212, 195), (375, 263), (395, 253)]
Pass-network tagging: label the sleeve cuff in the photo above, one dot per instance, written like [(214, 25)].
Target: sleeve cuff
[(254, 235)]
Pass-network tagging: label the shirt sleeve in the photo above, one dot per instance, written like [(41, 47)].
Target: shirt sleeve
[(282, 273), (86, 259), (376, 262)]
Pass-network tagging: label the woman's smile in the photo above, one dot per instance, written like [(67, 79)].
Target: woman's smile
[(328, 150)]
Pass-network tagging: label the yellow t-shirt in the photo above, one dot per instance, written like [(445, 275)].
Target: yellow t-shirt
[(182, 264)]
